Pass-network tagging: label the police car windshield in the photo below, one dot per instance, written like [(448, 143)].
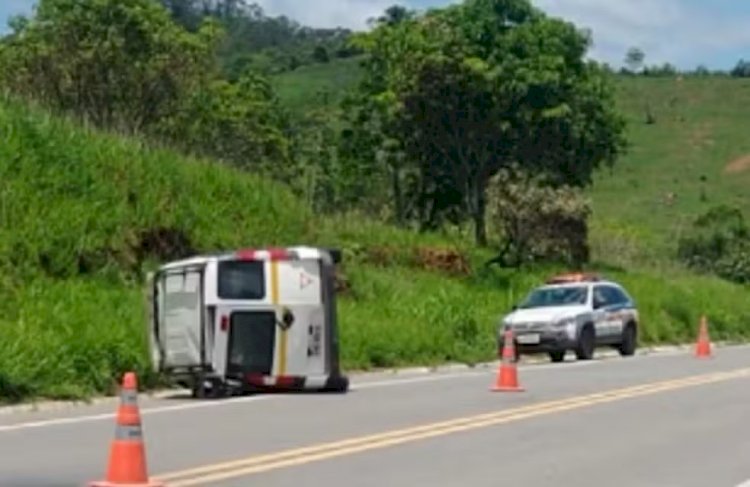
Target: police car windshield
[(556, 296)]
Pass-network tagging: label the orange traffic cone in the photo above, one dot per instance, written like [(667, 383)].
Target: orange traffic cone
[(703, 345), (507, 374), (127, 456)]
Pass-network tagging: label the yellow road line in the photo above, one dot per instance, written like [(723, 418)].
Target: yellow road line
[(282, 335), (213, 473)]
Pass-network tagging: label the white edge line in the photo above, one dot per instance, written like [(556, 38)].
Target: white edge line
[(472, 372), (746, 483), (52, 405)]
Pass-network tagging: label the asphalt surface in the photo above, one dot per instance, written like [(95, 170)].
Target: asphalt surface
[(662, 420)]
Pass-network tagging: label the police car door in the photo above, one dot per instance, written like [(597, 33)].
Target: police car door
[(601, 316), (302, 315), (607, 318)]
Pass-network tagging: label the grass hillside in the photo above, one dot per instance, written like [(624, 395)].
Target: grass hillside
[(83, 214), (311, 86), (695, 155)]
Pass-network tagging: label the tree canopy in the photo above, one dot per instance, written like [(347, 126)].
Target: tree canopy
[(467, 90), (127, 65)]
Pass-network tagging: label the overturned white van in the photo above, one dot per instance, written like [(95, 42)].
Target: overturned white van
[(247, 320)]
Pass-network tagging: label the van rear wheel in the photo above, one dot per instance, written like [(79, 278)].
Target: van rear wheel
[(339, 384)]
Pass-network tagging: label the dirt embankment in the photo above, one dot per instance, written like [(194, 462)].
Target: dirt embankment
[(738, 165)]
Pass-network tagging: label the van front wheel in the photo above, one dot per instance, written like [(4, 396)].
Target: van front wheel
[(212, 391)]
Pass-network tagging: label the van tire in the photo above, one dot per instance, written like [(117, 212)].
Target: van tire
[(200, 391), (337, 384)]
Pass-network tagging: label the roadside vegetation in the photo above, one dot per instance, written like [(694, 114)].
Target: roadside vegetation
[(195, 130)]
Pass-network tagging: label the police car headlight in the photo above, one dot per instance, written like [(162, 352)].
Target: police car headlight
[(565, 323)]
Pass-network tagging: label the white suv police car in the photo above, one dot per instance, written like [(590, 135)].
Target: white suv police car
[(577, 312)]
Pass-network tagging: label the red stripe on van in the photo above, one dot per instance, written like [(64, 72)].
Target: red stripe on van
[(278, 254), (254, 379), (285, 381), (245, 254), (274, 253)]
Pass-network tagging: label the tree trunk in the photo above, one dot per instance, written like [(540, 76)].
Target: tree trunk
[(480, 226), (397, 196)]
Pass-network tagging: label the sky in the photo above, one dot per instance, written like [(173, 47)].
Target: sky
[(686, 33)]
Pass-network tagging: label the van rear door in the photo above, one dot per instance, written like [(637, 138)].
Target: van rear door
[(302, 337), (246, 320), (179, 326)]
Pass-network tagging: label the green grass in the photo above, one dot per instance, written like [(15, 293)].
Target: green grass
[(77, 207), (312, 86), (701, 126)]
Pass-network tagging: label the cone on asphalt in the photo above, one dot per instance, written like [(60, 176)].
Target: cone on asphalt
[(127, 456), (703, 345), (507, 374)]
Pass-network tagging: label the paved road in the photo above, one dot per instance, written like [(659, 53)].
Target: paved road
[(667, 420)]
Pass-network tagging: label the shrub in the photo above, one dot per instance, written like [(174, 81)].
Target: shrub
[(538, 221), (719, 242)]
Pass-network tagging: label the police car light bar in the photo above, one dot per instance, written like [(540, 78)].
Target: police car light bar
[(574, 277)]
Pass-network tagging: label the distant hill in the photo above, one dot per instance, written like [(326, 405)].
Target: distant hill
[(695, 155)]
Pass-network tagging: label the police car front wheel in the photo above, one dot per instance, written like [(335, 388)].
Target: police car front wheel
[(586, 344), (629, 341)]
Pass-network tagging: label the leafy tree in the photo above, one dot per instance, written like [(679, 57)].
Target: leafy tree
[(471, 89), (702, 70), (320, 54), (240, 123), (118, 63), (371, 153), (126, 65), (258, 41), (741, 70), (634, 59), (665, 69), (393, 15)]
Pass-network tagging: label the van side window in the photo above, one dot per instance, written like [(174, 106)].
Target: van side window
[(241, 280)]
